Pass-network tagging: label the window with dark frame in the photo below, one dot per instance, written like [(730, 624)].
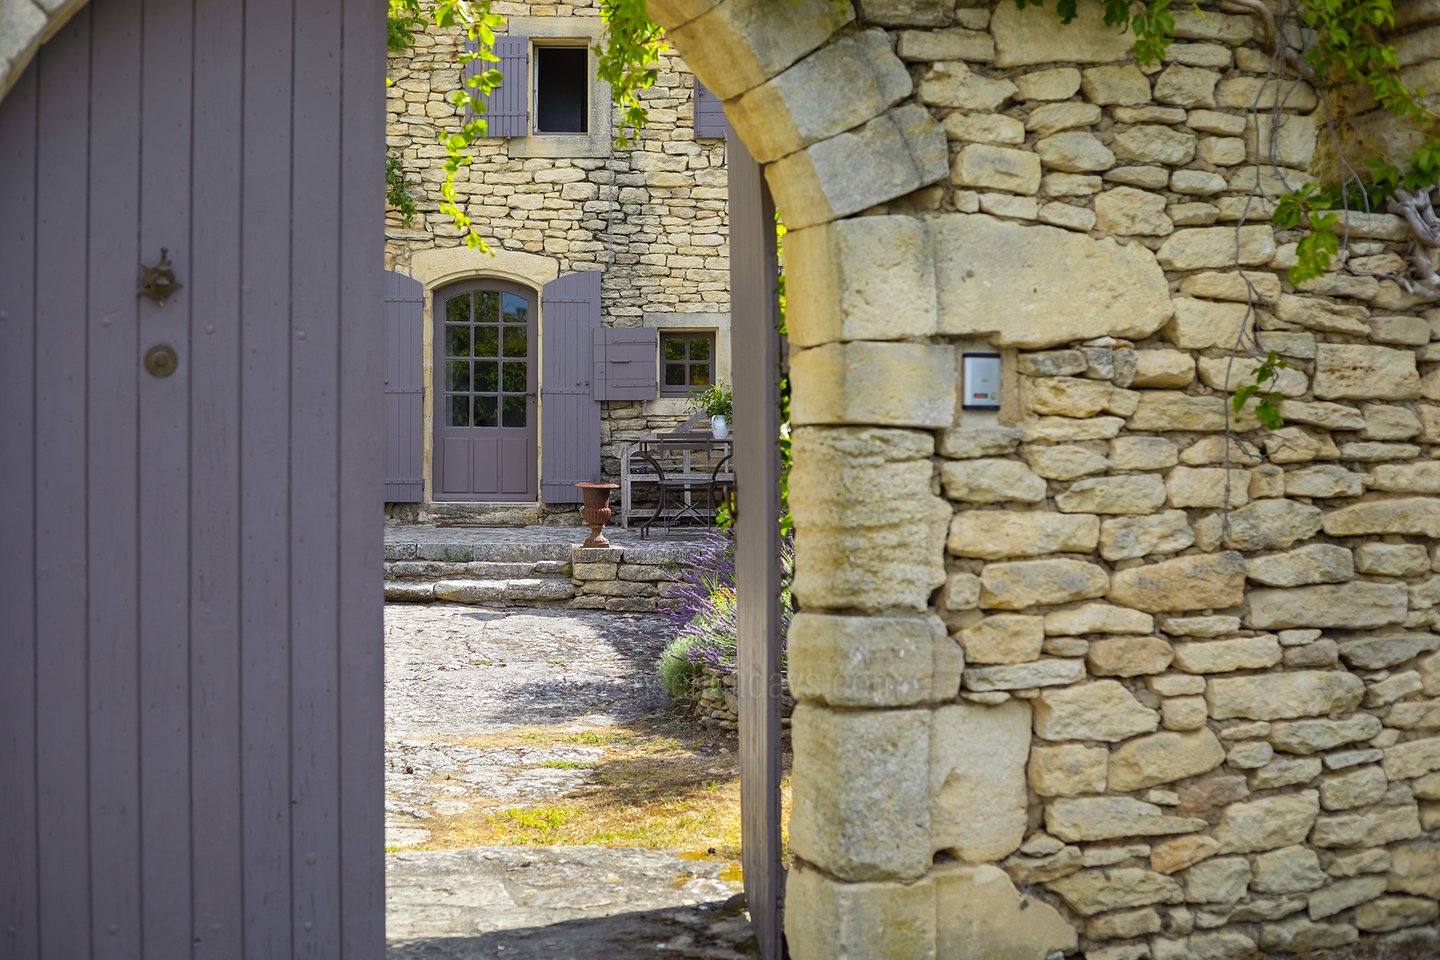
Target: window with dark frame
[(687, 363), (562, 89)]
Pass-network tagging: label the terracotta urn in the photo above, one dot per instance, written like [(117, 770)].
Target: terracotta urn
[(596, 511)]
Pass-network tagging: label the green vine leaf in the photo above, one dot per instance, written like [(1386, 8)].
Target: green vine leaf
[(1267, 407)]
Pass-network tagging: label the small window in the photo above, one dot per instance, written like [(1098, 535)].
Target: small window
[(687, 363), (562, 89)]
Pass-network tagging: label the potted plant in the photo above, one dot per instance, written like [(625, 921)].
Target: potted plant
[(716, 402)]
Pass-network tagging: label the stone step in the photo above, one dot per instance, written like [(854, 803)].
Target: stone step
[(468, 551), (528, 591), (474, 569), (498, 514)]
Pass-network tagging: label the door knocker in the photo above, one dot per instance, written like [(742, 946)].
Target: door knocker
[(158, 282)]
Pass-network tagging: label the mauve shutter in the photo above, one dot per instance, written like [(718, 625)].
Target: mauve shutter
[(507, 109), (625, 361), (710, 119), (569, 413), (404, 389)]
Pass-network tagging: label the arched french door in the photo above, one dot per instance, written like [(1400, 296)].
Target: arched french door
[(485, 381)]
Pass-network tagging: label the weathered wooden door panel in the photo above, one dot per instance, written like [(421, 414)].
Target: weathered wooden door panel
[(190, 713), (755, 307), (404, 389), (570, 413), (486, 429)]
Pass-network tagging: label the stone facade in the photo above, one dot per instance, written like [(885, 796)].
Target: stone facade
[(652, 217), (1199, 708)]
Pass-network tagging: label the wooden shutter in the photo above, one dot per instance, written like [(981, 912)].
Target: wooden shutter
[(710, 119), (404, 388), (625, 361), (569, 411), (507, 110)]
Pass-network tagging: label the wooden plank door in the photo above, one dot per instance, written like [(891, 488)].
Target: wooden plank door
[(754, 309), (486, 430), (404, 389), (569, 410), (190, 705)]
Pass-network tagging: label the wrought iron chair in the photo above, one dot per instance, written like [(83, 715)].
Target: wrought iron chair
[(691, 475)]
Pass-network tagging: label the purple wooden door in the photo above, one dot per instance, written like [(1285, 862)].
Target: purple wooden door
[(568, 406), (404, 389), (190, 698), (484, 387)]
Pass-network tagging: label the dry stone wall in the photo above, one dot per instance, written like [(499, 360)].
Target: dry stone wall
[(1115, 673), (652, 217)]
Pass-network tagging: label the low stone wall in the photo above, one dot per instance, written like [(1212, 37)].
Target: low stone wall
[(636, 579), (717, 706)]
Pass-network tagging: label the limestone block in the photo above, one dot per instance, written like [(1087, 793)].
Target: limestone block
[(1415, 868), (1242, 286), (1124, 925), (1267, 823), (1059, 83), (1378, 652), (1167, 410), (1277, 696), (1163, 368), (1415, 716), (1129, 212), (1136, 494), (1109, 818), (740, 44), (982, 442), (1171, 856), (1214, 247), (1207, 487), (909, 13), (861, 812), (1069, 429), (1288, 870), (1030, 583), (996, 168), (1143, 453), (1422, 477), (1365, 372), (867, 278), (1152, 143), (956, 43), (1246, 93), (1074, 152), (1182, 713), (953, 84), (1316, 563), (981, 914), (1359, 862), (866, 559), (872, 661), (1411, 759), (1272, 525), (1029, 36), (1223, 373), (1314, 736), (1323, 315), (1385, 422), (1186, 86), (1227, 656), (1298, 445), (1125, 538), (1067, 770), (1024, 676), (1116, 85), (884, 384), (1089, 892), (1097, 618), (1415, 516), (1211, 121), (1003, 638), (1223, 880), (1384, 825), (859, 921), (977, 779), (982, 266), (897, 153), (1064, 461), (1186, 583), (1355, 605), (988, 480), (1075, 397), (1199, 324), (962, 592), (1300, 935), (1392, 913), (1054, 117), (1324, 482), (1101, 710), (983, 128), (1356, 788), (1128, 656), (1333, 416), (1163, 758), (995, 535)]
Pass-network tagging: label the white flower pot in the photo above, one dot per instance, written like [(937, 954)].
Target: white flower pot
[(719, 428)]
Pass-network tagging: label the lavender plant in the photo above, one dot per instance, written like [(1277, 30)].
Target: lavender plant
[(707, 628)]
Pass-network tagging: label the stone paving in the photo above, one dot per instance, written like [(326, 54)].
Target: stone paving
[(457, 675)]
